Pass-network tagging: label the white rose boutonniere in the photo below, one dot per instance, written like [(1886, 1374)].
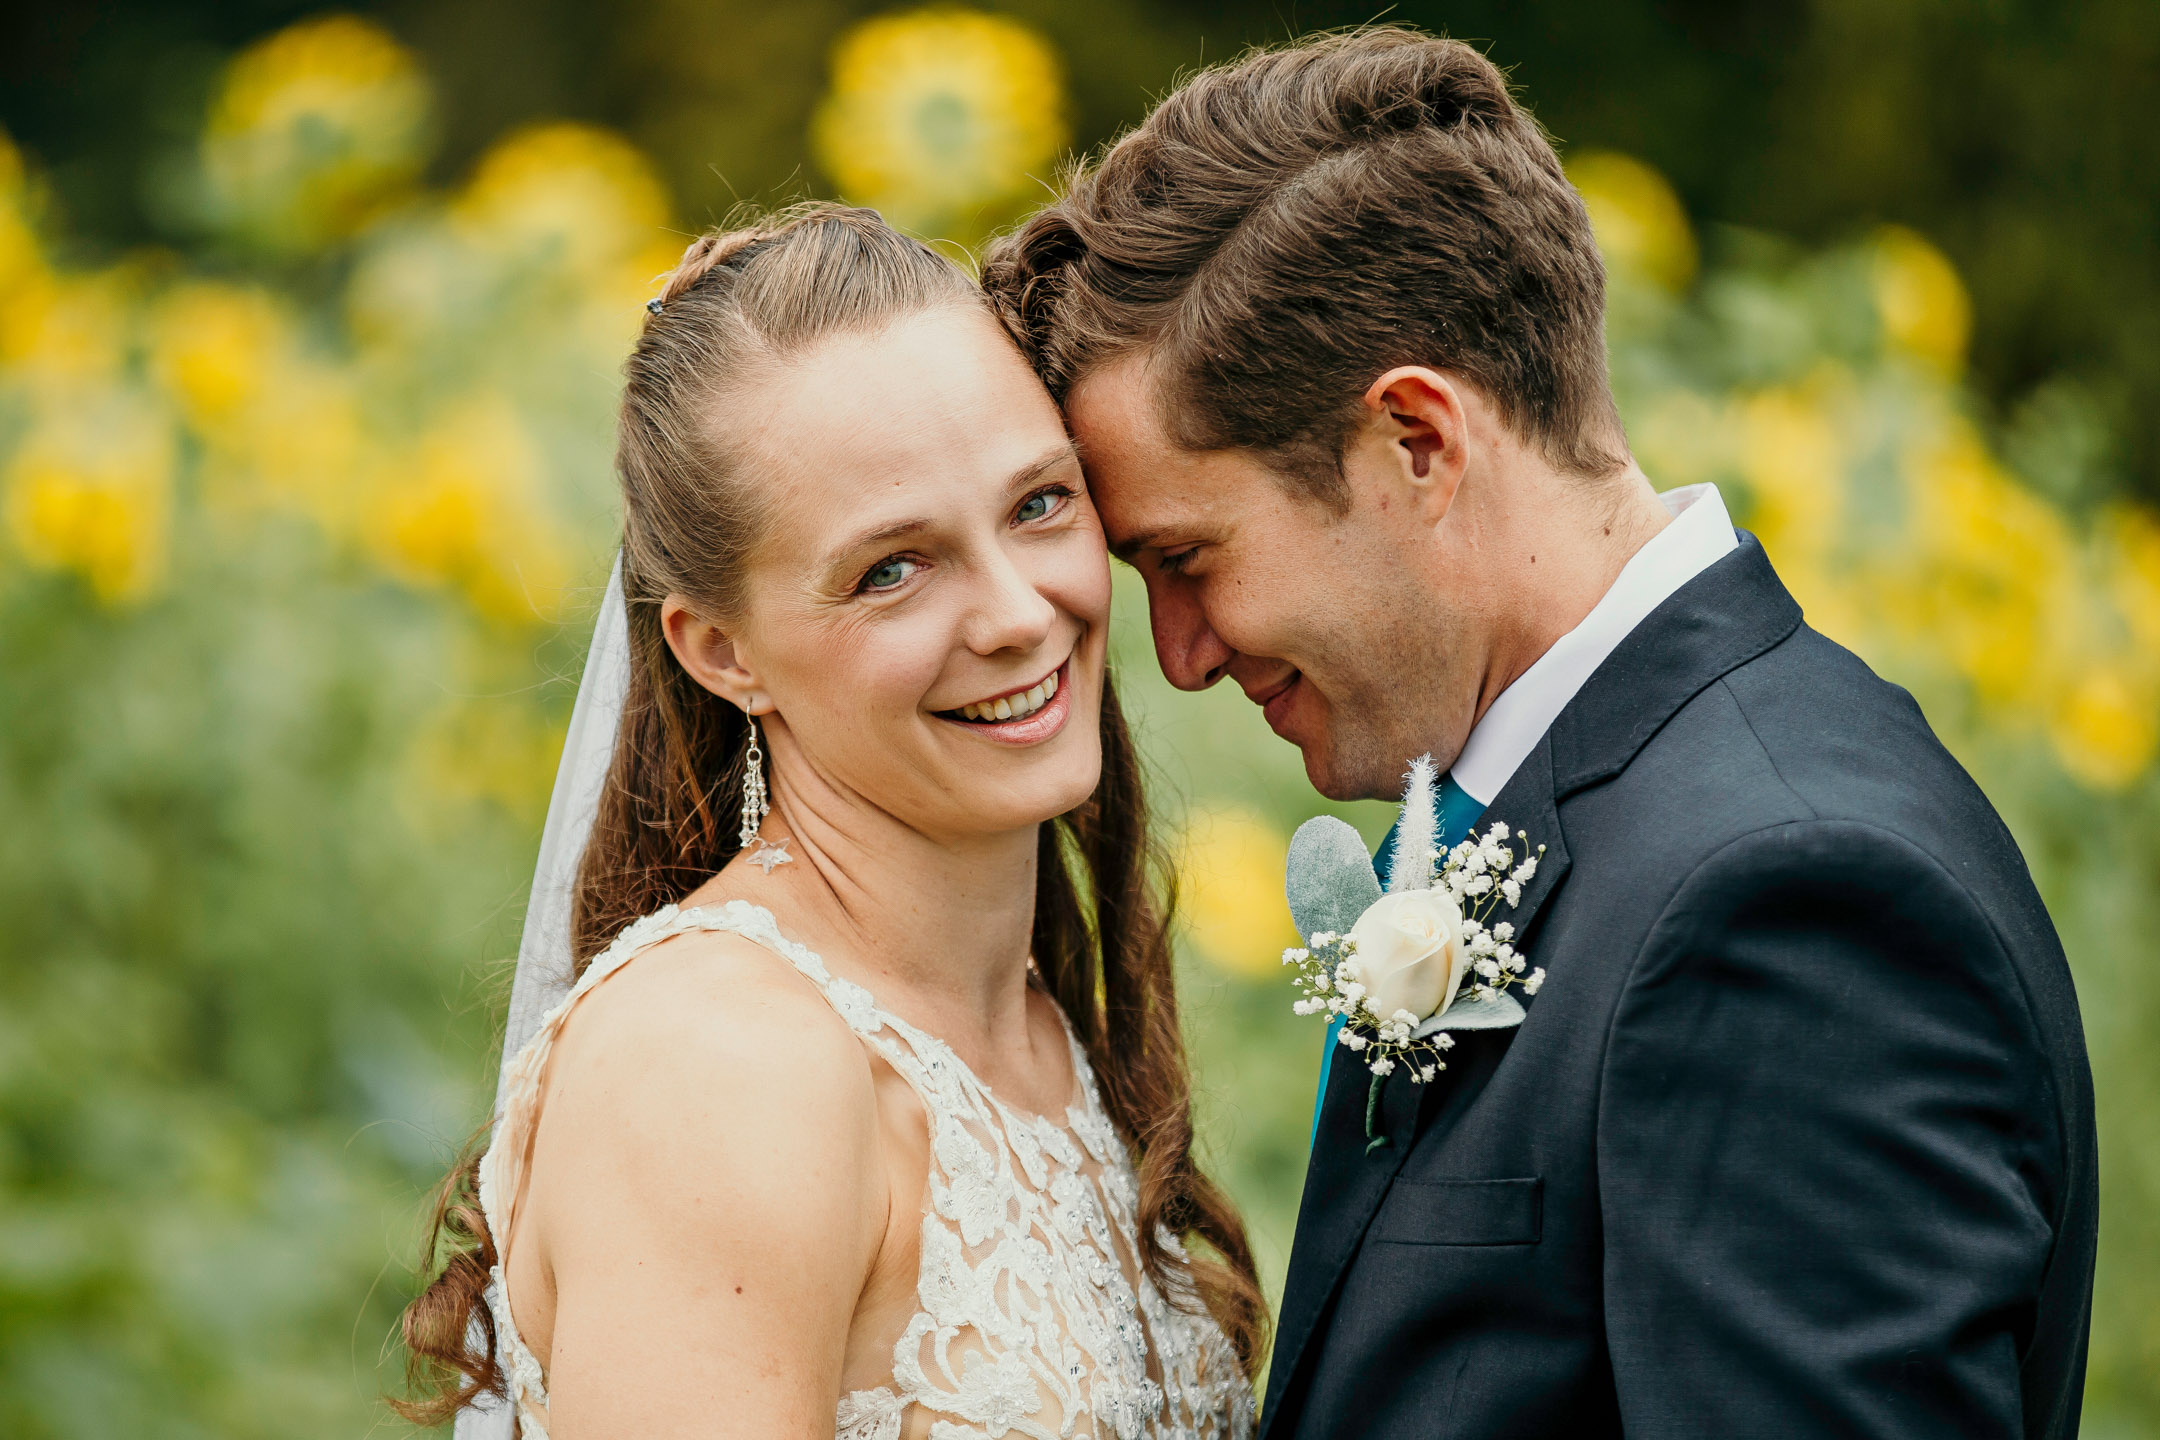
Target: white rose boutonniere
[(1402, 969), (1410, 952)]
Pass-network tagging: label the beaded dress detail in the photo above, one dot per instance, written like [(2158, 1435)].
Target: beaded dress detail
[(1034, 1318)]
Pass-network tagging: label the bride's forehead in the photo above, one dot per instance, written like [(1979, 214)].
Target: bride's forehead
[(942, 408), (932, 484), (907, 489), (951, 366)]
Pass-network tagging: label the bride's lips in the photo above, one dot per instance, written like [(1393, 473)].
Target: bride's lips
[(1029, 729)]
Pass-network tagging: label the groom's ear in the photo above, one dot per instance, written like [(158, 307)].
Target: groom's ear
[(1420, 417), (706, 652)]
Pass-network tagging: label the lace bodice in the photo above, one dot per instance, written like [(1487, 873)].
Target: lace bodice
[(1034, 1316)]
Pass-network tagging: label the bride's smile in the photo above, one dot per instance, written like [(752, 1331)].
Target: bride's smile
[(1020, 716)]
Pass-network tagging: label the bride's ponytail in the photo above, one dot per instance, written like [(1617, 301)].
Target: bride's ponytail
[(740, 301), (448, 1329)]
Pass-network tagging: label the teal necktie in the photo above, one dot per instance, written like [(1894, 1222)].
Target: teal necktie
[(1458, 812)]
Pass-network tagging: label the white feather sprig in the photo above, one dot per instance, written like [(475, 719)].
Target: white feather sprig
[(1417, 832)]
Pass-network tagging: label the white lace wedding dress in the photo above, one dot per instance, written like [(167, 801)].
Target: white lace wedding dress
[(1035, 1318)]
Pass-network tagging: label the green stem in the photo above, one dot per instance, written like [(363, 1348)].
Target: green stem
[(1375, 1137)]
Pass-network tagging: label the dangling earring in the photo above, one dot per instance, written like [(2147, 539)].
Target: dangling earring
[(755, 806)]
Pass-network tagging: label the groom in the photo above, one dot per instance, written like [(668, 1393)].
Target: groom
[(1797, 1139)]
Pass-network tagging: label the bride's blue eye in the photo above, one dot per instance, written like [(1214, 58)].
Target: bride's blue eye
[(1040, 505), (888, 573)]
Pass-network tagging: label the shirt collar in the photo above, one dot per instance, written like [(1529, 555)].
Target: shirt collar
[(1701, 534)]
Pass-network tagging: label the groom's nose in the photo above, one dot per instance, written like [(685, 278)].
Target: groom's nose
[(1191, 654)]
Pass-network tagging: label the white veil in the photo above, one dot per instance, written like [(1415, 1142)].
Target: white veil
[(544, 962)]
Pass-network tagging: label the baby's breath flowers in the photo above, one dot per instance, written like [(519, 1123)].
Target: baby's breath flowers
[(1432, 940), (1482, 875), (1414, 954), (1421, 952)]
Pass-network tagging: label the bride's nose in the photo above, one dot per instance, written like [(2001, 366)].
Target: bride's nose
[(1008, 610)]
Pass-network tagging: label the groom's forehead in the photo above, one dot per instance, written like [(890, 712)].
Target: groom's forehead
[(1150, 490), (1133, 462), (1181, 497), (1119, 405)]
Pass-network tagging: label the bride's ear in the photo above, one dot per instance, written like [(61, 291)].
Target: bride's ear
[(706, 652)]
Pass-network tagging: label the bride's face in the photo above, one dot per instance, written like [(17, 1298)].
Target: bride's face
[(930, 562)]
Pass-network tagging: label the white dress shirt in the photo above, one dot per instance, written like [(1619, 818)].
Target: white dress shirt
[(1701, 533)]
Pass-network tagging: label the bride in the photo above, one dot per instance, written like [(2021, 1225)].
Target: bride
[(868, 1113)]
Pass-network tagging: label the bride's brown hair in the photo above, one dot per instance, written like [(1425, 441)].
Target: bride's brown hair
[(740, 301)]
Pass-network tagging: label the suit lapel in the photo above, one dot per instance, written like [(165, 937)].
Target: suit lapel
[(1344, 1185), (1526, 803), (1718, 621)]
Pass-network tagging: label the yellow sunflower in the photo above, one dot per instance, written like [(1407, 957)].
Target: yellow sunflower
[(946, 120), (313, 131)]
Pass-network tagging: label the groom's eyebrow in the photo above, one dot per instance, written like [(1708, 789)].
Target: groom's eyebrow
[(1131, 545)]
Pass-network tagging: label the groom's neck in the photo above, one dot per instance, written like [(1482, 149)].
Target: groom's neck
[(1552, 545)]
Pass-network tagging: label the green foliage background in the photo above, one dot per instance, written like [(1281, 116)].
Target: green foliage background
[(276, 734)]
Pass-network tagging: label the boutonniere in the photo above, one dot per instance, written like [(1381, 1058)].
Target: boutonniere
[(1402, 969)]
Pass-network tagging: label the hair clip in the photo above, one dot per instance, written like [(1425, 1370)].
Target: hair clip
[(652, 306)]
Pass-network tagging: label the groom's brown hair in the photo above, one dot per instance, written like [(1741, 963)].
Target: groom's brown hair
[(1286, 227)]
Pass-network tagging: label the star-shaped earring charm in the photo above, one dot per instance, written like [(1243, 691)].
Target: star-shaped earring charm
[(768, 855)]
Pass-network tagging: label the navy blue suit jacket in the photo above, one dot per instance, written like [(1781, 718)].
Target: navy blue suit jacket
[(1797, 1139)]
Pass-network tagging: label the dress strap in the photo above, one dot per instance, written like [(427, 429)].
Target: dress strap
[(854, 1005)]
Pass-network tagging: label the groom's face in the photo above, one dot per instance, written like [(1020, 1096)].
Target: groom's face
[(1327, 621)]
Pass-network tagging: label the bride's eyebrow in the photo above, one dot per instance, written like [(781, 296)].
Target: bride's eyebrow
[(895, 530), (1042, 465), (882, 536)]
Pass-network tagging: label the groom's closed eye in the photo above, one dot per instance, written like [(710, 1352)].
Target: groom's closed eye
[(1154, 550), (1175, 561)]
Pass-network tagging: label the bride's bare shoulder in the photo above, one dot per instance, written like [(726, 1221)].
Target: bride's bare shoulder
[(708, 1152), (706, 1048)]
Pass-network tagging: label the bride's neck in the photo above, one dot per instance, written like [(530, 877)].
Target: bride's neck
[(935, 925)]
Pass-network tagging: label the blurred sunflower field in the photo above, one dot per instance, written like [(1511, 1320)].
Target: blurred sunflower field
[(304, 512)]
